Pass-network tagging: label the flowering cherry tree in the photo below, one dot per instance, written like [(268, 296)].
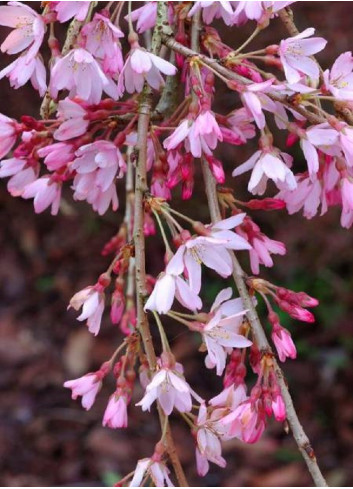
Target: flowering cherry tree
[(116, 130)]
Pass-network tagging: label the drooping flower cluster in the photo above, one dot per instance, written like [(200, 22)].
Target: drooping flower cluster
[(149, 113)]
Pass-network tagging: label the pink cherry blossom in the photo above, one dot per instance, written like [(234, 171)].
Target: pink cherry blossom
[(29, 29), (347, 201), (145, 16), (211, 250), (23, 69), (256, 10), (101, 39), (100, 155), (81, 74), (230, 397), (46, 193), (312, 192), (200, 135), (87, 386), (274, 165), (295, 55), (339, 80), (262, 246), (347, 194), (239, 127), (317, 137), (170, 285), (22, 175), (214, 10), (115, 415), (246, 422), (74, 118), (170, 388), (255, 100), (208, 443), (67, 10), (98, 165), (92, 301), (222, 332), (57, 155), (8, 134), (142, 66), (156, 469), (346, 142)]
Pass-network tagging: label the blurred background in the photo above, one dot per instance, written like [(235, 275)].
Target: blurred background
[(47, 439)]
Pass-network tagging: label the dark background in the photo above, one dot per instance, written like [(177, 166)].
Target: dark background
[(46, 439)]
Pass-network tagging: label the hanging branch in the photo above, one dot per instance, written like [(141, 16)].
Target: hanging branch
[(258, 332), (145, 108)]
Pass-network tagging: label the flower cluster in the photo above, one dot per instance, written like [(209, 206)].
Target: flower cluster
[(148, 113)]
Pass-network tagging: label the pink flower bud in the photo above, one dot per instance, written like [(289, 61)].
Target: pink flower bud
[(115, 415), (283, 343), (279, 408)]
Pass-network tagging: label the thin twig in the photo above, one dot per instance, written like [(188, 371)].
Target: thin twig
[(256, 326), (230, 75)]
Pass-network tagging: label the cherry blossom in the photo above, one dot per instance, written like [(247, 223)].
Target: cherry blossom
[(23, 69), (239, 127), (92, 301), (115, 415), (21, 175), (214, 10), (116, 120), (222, 332), (170, 388), (57, 155), (46, 192), (262, 245), (246, 422), (88, 386), (98, 165), (29, 29), (156, 469), (8, 134), (339, 80), (142, 66), (295, 55), (74, 119), (208, 444), (274, 165), (101, 39), (200, 135), (211, 250), (255, 100), (81, 74), (145, 16), (170, 285), (67, 10), (256, 10)]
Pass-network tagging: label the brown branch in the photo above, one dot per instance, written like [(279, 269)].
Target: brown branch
[(230, 75), (256, 326), (286, 16), (145, 108), (299, 434)]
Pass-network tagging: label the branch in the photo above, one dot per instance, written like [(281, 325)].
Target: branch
[(226, 73), (286, 16), (145, 108), (256, 327)]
